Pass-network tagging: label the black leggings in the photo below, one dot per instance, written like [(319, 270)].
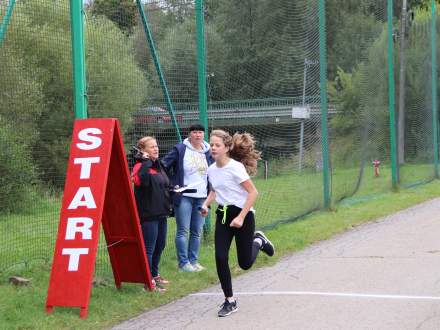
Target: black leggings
[(247, 249)]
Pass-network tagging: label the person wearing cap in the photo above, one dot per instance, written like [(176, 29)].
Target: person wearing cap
[(187, 164)]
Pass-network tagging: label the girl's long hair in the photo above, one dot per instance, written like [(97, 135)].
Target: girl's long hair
[(241, 148)]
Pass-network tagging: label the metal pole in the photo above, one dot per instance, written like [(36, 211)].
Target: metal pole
[(401, 113), (323, 90), (158, 68), (201, 64), (6, 18), (78, 59), (391, 96), (434, 87), (201, 71), (301, 134)]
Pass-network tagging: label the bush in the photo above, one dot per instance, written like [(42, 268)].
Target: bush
[(18, 173)]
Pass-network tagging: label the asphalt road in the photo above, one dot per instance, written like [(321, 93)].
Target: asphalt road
[(381, 275)]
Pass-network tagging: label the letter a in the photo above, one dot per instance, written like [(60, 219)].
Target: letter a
[(88, 201)]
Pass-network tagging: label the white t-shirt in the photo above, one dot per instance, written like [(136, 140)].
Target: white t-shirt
[(195, 166), (194, 172), (226, 183)]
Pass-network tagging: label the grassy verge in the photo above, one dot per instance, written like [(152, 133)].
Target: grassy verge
[(23, 307)]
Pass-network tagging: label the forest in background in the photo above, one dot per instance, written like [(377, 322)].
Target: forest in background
[(36, 119)]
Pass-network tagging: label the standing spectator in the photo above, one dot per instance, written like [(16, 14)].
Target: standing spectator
[(233, 190), (187, 164), (151, 189)]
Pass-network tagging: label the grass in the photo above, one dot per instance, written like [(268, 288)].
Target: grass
[(23, 307)]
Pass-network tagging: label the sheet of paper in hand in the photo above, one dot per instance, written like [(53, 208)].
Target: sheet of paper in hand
[(189, 188)]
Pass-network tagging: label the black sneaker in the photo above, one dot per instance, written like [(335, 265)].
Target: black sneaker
[(267, 246), (227, 308)]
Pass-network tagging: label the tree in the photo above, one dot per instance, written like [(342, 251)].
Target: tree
[(361, 96), (116, 85), (122, 12), (18, 172), (263, 56), (159, 21), (418, 97), (19, 106)]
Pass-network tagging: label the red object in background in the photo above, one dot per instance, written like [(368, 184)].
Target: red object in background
[(97, 189), (376, 164), (154, 115)]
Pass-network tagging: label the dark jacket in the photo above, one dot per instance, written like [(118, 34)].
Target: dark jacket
[(151, 189), (173, 163)]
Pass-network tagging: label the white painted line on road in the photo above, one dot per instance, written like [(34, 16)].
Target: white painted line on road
[(328, 294)]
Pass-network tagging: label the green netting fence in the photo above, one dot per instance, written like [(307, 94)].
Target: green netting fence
[(325, 87)]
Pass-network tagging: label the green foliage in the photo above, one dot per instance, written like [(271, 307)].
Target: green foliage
[(48, 59), (254, 40), (45, 108), (121, 12), (17, 170), (178, 54), (418, 101), (19, 106), (159, 21), (355, 34), (117, 86), (345, 92)]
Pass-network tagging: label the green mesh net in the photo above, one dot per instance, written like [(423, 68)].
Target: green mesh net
[(263, 75)]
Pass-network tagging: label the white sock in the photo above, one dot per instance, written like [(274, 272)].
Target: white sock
[(231, 299), (259, 241)]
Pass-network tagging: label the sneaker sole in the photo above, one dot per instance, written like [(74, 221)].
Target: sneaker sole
[(262, 234), (191, 270), (233, 311)]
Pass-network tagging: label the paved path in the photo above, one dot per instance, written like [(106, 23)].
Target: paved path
[(382, 275)]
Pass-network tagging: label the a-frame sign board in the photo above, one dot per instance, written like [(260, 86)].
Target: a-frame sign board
[(97, 190)]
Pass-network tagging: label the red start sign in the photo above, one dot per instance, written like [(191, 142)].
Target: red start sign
[(97, 190)]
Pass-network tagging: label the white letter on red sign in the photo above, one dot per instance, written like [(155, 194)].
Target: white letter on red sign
[(74, 257), (95, 141), (88, 201), (86, 165), (79, 225)]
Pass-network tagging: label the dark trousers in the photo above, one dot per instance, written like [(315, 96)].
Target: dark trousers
[(155, 235), (247, 249)]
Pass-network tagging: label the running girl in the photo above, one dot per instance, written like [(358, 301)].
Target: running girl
[(233, 190)]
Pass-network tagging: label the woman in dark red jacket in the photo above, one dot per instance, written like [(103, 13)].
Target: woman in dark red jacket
[(151, 189)]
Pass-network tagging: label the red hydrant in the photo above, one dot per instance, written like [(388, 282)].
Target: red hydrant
[(376, 164)]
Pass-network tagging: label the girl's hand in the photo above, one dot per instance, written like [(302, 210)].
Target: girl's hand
[(203, 210), (237, 222)]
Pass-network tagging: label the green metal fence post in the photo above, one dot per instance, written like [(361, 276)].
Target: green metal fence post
[(201, 71), (434, 86), (323, 91), (78, 58), (158, 68), (201, 63), (5, 22), (391, 101)]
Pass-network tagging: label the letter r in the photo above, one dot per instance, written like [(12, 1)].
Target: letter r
[(79, 225)]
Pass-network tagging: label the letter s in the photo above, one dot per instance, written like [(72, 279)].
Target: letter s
[(85, 135)]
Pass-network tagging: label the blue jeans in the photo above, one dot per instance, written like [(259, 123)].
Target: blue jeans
[(155, 235), (189, 223)]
